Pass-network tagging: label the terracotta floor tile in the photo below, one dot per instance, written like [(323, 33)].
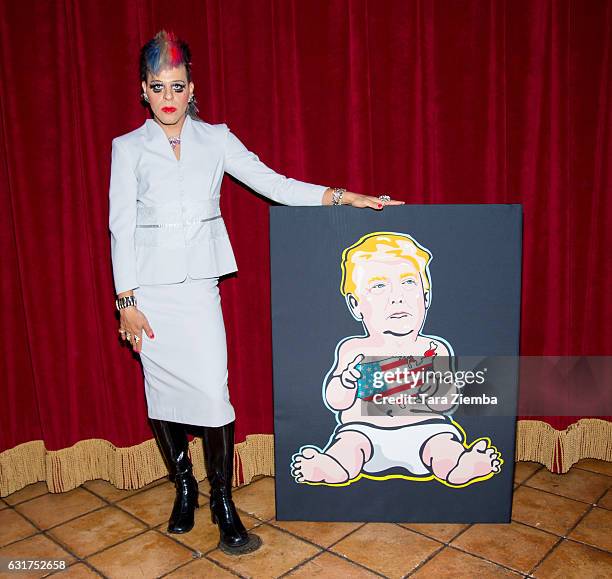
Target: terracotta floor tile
[(279, 553), (451, 564), (524, 469), (595, 529), (26, 493), (77, 571), (97, 526), (204, 536), (111, 493), (14, 527), (200, 568), (575, 561), (152, 506), (606, 501), (545, 511), (147, 555), (323, 534), (96, 531), (576, 484), (441, 531), (516, 546), (36, 547), (595, 465), (257, 498), (54, 508), (328, 566), (386, 548)]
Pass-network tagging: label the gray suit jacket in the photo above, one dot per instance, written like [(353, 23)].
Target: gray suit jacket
[(164, 214)]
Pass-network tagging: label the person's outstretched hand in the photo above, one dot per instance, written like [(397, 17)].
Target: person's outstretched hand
[(358, 200)]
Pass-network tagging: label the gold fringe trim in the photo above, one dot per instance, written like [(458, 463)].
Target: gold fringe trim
[(124, 467), (136, 466), (21, 465), (253, 457), (558, 450)]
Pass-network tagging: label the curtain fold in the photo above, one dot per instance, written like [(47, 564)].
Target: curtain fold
[(429, 100)]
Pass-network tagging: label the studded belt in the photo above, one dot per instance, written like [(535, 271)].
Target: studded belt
[(191, 222)]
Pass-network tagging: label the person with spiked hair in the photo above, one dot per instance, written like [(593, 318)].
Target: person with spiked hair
[(169, 246)]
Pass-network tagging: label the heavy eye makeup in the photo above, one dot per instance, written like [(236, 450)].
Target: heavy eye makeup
[(159, 86)]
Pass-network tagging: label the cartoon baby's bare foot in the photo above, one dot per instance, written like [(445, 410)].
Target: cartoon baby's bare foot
[(479, 460), (315, 466)]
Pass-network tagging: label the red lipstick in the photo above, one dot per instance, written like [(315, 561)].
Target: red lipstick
[(168, 109)]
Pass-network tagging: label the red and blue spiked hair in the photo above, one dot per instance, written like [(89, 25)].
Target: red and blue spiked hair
[(166, 50)]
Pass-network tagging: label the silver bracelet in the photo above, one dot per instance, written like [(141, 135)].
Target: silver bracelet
[(125, 302), (337, 195)]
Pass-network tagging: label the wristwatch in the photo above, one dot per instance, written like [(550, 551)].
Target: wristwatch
[(125, 302)]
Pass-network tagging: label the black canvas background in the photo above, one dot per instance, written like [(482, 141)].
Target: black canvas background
[(475, 275)]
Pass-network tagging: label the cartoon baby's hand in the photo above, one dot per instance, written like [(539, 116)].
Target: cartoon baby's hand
[(350, 374)]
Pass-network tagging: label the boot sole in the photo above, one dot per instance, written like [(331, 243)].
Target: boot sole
[(251, 545)]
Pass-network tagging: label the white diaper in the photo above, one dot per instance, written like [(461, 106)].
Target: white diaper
[(400, 446)]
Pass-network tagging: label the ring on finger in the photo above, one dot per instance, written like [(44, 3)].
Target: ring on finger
[(136, 339), (384, 197)]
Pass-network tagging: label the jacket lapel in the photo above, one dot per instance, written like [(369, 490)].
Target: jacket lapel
[(158, 141)]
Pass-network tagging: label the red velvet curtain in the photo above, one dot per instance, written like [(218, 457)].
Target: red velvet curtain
[(434, 101)]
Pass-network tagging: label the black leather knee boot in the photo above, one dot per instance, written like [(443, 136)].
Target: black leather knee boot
[(172, 440), (219, 454)]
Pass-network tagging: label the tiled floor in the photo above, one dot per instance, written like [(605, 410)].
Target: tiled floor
[(562, 527)]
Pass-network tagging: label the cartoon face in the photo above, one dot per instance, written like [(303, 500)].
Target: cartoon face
[(391, 298)]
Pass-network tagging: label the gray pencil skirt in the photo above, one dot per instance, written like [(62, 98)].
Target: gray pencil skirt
[(185, 364)]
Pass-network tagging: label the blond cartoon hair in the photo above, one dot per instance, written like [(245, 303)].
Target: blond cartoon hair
[(383, 246)]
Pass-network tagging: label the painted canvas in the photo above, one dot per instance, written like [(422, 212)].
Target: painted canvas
[(391, 405)]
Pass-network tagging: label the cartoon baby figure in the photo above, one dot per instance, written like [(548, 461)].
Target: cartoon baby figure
[(387, 286)]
